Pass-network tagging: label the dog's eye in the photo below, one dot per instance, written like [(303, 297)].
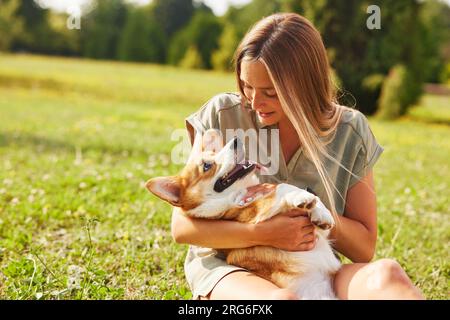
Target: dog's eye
[(206, 166)]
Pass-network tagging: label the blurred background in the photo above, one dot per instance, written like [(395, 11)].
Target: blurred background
[(91, 92)]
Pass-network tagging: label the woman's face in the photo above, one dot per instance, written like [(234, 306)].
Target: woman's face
[(259, 90)]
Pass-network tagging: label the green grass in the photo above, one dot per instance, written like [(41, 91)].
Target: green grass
[(79, 138)]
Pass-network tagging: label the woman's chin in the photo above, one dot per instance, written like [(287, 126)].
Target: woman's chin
[(268, 121)]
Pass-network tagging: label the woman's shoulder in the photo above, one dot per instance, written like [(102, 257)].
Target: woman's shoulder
[(223, 101), (221, 111), (355, 130), (355, 122)]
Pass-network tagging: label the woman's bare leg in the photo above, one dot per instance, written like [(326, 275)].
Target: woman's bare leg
[(379, 280), (242, 285)]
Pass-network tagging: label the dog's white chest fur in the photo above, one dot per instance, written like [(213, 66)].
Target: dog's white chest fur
[(315, 267)]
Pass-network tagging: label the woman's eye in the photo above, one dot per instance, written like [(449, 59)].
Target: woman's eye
[(271, 94), (206, 166)]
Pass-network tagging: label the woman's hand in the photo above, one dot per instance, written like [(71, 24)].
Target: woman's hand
[(291, 231)]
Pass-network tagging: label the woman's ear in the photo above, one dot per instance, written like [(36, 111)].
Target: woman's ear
[(166, 188)]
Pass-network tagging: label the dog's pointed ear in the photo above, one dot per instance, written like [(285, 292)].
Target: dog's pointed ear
[(166, 188), (212, 141)]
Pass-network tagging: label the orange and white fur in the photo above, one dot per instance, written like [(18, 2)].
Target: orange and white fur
[(214, 185)]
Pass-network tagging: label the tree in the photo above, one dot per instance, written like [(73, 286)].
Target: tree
[(363, 57), (36, 35), (192, 59), (142, 38), (102, 28), (223, 56), (203, 33), (436, 44), (172, 15), (10, 25), (243, 18), (394, 98)]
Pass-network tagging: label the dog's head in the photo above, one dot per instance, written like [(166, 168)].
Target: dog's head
[(212, 179)]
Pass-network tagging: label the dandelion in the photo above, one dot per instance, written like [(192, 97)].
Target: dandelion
[(7, 182), (45, 177), (15, 201), (31, 198), (2, 191), (82, 185)]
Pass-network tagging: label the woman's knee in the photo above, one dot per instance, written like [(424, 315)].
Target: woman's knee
[(385, 273), (283, 294)]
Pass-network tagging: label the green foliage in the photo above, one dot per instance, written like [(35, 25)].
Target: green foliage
[(360, 55), (36, 35), (202, 32), (223, 56), (445, 75), (142, 39), (10, 25), (64, 41), (244, 17), (397, 93), (436, 38), (192, 59), (172, 15), (102, 28)]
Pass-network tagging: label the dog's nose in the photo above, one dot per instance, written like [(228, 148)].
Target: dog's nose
[(236, 143)]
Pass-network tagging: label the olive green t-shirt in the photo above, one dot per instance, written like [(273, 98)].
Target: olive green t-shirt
[(353, 146)]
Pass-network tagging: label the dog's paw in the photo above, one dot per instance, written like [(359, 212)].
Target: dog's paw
[(322, 217), (303, 200)]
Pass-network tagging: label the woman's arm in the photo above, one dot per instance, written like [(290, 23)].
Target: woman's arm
[(291, 231), (212, 233), (356, 233)]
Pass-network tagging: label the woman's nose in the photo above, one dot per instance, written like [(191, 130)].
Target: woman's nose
[(257, 101)]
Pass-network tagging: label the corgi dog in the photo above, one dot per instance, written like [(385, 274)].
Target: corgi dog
[(215, 184)]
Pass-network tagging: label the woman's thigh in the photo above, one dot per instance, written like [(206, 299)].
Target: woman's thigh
[(241, 285)]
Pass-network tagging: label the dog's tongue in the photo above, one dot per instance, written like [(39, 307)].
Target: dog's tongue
[(261, 168)]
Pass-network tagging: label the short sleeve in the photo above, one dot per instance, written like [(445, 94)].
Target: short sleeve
[(367, 151), (206, 117)]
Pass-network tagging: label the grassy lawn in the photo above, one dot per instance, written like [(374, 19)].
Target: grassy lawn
[(79, 138)]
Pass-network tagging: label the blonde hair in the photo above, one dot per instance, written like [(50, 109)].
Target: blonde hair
[(295, 57)]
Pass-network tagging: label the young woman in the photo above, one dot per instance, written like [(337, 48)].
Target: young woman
[(284, 81)]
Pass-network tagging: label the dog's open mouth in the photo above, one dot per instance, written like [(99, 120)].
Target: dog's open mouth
[(238, 172)]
